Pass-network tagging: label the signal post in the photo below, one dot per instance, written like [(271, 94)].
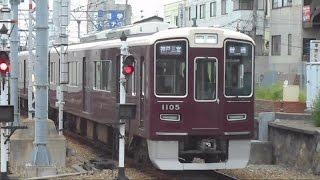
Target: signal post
[(126, 111), (4, 70)]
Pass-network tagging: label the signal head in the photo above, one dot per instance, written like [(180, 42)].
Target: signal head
[(128, 65), (4, 62)]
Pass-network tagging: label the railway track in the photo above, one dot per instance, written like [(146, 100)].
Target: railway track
[(106, 159)]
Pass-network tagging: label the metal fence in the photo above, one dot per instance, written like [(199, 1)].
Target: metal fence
[(293, 73)]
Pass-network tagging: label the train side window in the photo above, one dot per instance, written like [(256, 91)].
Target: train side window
[(53, 75), (102, 75), (206, 79), (74, 78)]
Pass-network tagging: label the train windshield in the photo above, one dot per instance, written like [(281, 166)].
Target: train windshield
[(170, 68), (238, 69)]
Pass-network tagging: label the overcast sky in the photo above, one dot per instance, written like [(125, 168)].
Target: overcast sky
[(140, 8), (145, 8)]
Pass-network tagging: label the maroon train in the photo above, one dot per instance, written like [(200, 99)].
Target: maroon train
[(193, 88)]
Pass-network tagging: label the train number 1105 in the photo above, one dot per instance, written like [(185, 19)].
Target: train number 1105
[(170, 107)]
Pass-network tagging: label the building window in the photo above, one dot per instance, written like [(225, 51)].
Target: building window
[(213, 9), (223, 7), (276, 45), (259, 45), (202, 11), (176, 20), (243, 4), (275, 3), (102, 75), (281, 3), (168, 20), (286, 3), (189, 9), (306, 49), (196, 12), (289, 43)]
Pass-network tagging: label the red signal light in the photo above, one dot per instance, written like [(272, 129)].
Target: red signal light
[(4, 67), (128, 69), (128, 65), (4, 62)]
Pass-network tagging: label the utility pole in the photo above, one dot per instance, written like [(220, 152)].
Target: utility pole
[(254, 20), (64, 21), (126, 14), (14, 50), (30, 62), (40, 153)]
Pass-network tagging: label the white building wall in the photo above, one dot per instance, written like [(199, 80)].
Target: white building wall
[(172, 14), (233, 19), (284, 21)]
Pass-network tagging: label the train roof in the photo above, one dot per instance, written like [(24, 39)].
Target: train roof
[(177, 33)]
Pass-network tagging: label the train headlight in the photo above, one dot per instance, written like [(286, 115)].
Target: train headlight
[(170, 117), (206, 38), (236, 117)]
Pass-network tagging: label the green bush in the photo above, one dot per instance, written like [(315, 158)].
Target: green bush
[(302, 96), (272, 93), (275, 93), (315, 113)]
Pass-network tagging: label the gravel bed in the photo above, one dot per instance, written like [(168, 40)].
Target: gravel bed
[(80, 153), (269, 172)]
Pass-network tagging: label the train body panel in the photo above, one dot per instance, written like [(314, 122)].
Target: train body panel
[(193, 89)]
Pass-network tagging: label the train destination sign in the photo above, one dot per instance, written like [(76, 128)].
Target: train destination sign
[(238, 51), (171, 50)]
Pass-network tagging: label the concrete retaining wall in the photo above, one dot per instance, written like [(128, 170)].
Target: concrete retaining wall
[(295, 146)]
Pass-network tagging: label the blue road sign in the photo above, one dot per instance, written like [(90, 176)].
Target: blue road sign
[(100, 24), (115, 18), (100, 13)]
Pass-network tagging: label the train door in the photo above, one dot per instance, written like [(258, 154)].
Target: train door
[(205, 93), (142, 92), (85, 87)]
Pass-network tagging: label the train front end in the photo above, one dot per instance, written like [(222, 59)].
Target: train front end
[(202, 101)]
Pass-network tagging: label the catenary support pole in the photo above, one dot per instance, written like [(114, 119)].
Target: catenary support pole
[(122, 126), (254, 19), (40, 153), (30, 62), (14, 50), (64, 21)]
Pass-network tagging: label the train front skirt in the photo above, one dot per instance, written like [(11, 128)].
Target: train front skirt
[(164, 155)]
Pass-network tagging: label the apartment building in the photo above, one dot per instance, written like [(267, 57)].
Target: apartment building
[(293, 23), (238, 15), (104, 14), (174, 13)]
